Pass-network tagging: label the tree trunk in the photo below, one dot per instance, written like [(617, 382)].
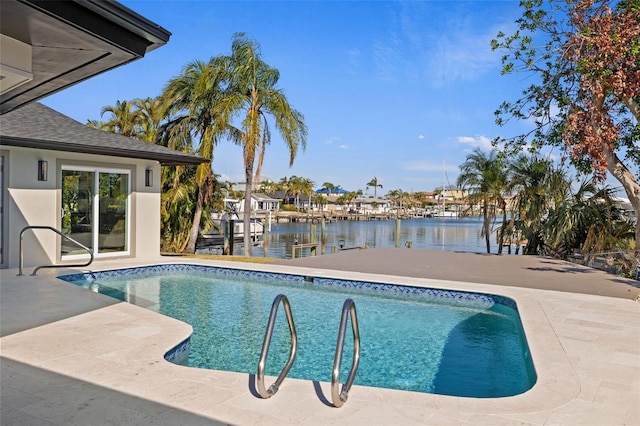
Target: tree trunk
[(256, 178), (631, 187), (248, 173), (195, 227), (485, 226), (503, 206)]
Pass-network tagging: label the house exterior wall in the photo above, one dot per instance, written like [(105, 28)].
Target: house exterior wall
[(29, 202)]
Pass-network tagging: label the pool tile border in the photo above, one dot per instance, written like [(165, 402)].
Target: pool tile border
[(480, 300), (180, 353)]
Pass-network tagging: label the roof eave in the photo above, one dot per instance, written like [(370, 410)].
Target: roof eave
[(165, 159)]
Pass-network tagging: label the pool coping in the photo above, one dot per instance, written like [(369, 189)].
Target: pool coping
[(140, 338)]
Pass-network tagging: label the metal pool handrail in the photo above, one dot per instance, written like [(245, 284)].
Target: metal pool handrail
[(268, 393), (63, 235), (338, 396)]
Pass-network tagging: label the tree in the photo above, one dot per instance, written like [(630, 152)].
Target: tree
[(196, 96), (374, 182), (98, 125), (268, 187), (306, 185), (538, 187), (252, 94), (152, 113), (321, 201), (587, 220), (397, 196), (296, 187), (283, 185), (346, 199), (329, 187), (484, 176), (586, 100), (125, 118)]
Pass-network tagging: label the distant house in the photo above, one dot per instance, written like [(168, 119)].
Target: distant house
[(334, 191), (264, 203), (451, 193), (260, 203), (101, 189), (427, 197), (360, 205)]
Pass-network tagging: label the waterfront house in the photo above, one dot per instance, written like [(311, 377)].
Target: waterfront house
[(260, 203), (371, 206), (101, 189), (450, 193)]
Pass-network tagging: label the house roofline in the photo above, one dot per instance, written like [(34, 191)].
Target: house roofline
[(165, 159)]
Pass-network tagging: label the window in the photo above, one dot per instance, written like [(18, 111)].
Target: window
[(95, 210)]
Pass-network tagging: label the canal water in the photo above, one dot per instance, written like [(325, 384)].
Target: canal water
[(451, 234)]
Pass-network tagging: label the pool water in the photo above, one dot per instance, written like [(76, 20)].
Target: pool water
[(432, 341)]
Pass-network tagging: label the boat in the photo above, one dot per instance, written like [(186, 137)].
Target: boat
[(441, 209), (214, 239)]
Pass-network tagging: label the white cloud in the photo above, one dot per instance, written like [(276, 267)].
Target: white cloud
[(343, 146), (332, 140), (461, 58), (420, 136), (481, 142)]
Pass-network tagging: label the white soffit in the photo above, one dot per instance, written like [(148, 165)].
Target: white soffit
[(15, 63)]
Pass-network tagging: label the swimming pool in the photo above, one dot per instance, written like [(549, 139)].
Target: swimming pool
[(417, 339)]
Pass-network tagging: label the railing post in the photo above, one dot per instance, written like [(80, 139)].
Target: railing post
[(338, 396), (264, 392), (63, 235), (21, 256)]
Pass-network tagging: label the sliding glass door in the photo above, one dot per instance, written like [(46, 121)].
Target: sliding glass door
[(95, 210)]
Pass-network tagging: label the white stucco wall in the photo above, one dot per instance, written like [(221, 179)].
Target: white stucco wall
[(32, 202)]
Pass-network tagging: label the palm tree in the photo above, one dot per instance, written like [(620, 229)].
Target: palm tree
[(321, 201), (501, 186), (349, 197), (396, 195), (483, 175), (587, 220), (124, 120), (152, 113), (252, 92), (307, 186), (176, 207), (296, 188), (268, 187), (329, 187), (283, 185), (538, 187), (196, 95), (98, 125), (374, 182)]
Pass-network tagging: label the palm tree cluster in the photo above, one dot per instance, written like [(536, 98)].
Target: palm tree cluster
[(400, 198), (232, 97), (547, 213), (292, 187)]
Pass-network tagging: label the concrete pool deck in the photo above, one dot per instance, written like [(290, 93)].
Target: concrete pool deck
[(74, 357)]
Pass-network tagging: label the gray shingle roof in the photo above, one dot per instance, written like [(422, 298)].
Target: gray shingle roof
[(40, 127)]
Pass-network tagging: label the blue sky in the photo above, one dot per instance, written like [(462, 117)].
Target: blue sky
[(391, 90)]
